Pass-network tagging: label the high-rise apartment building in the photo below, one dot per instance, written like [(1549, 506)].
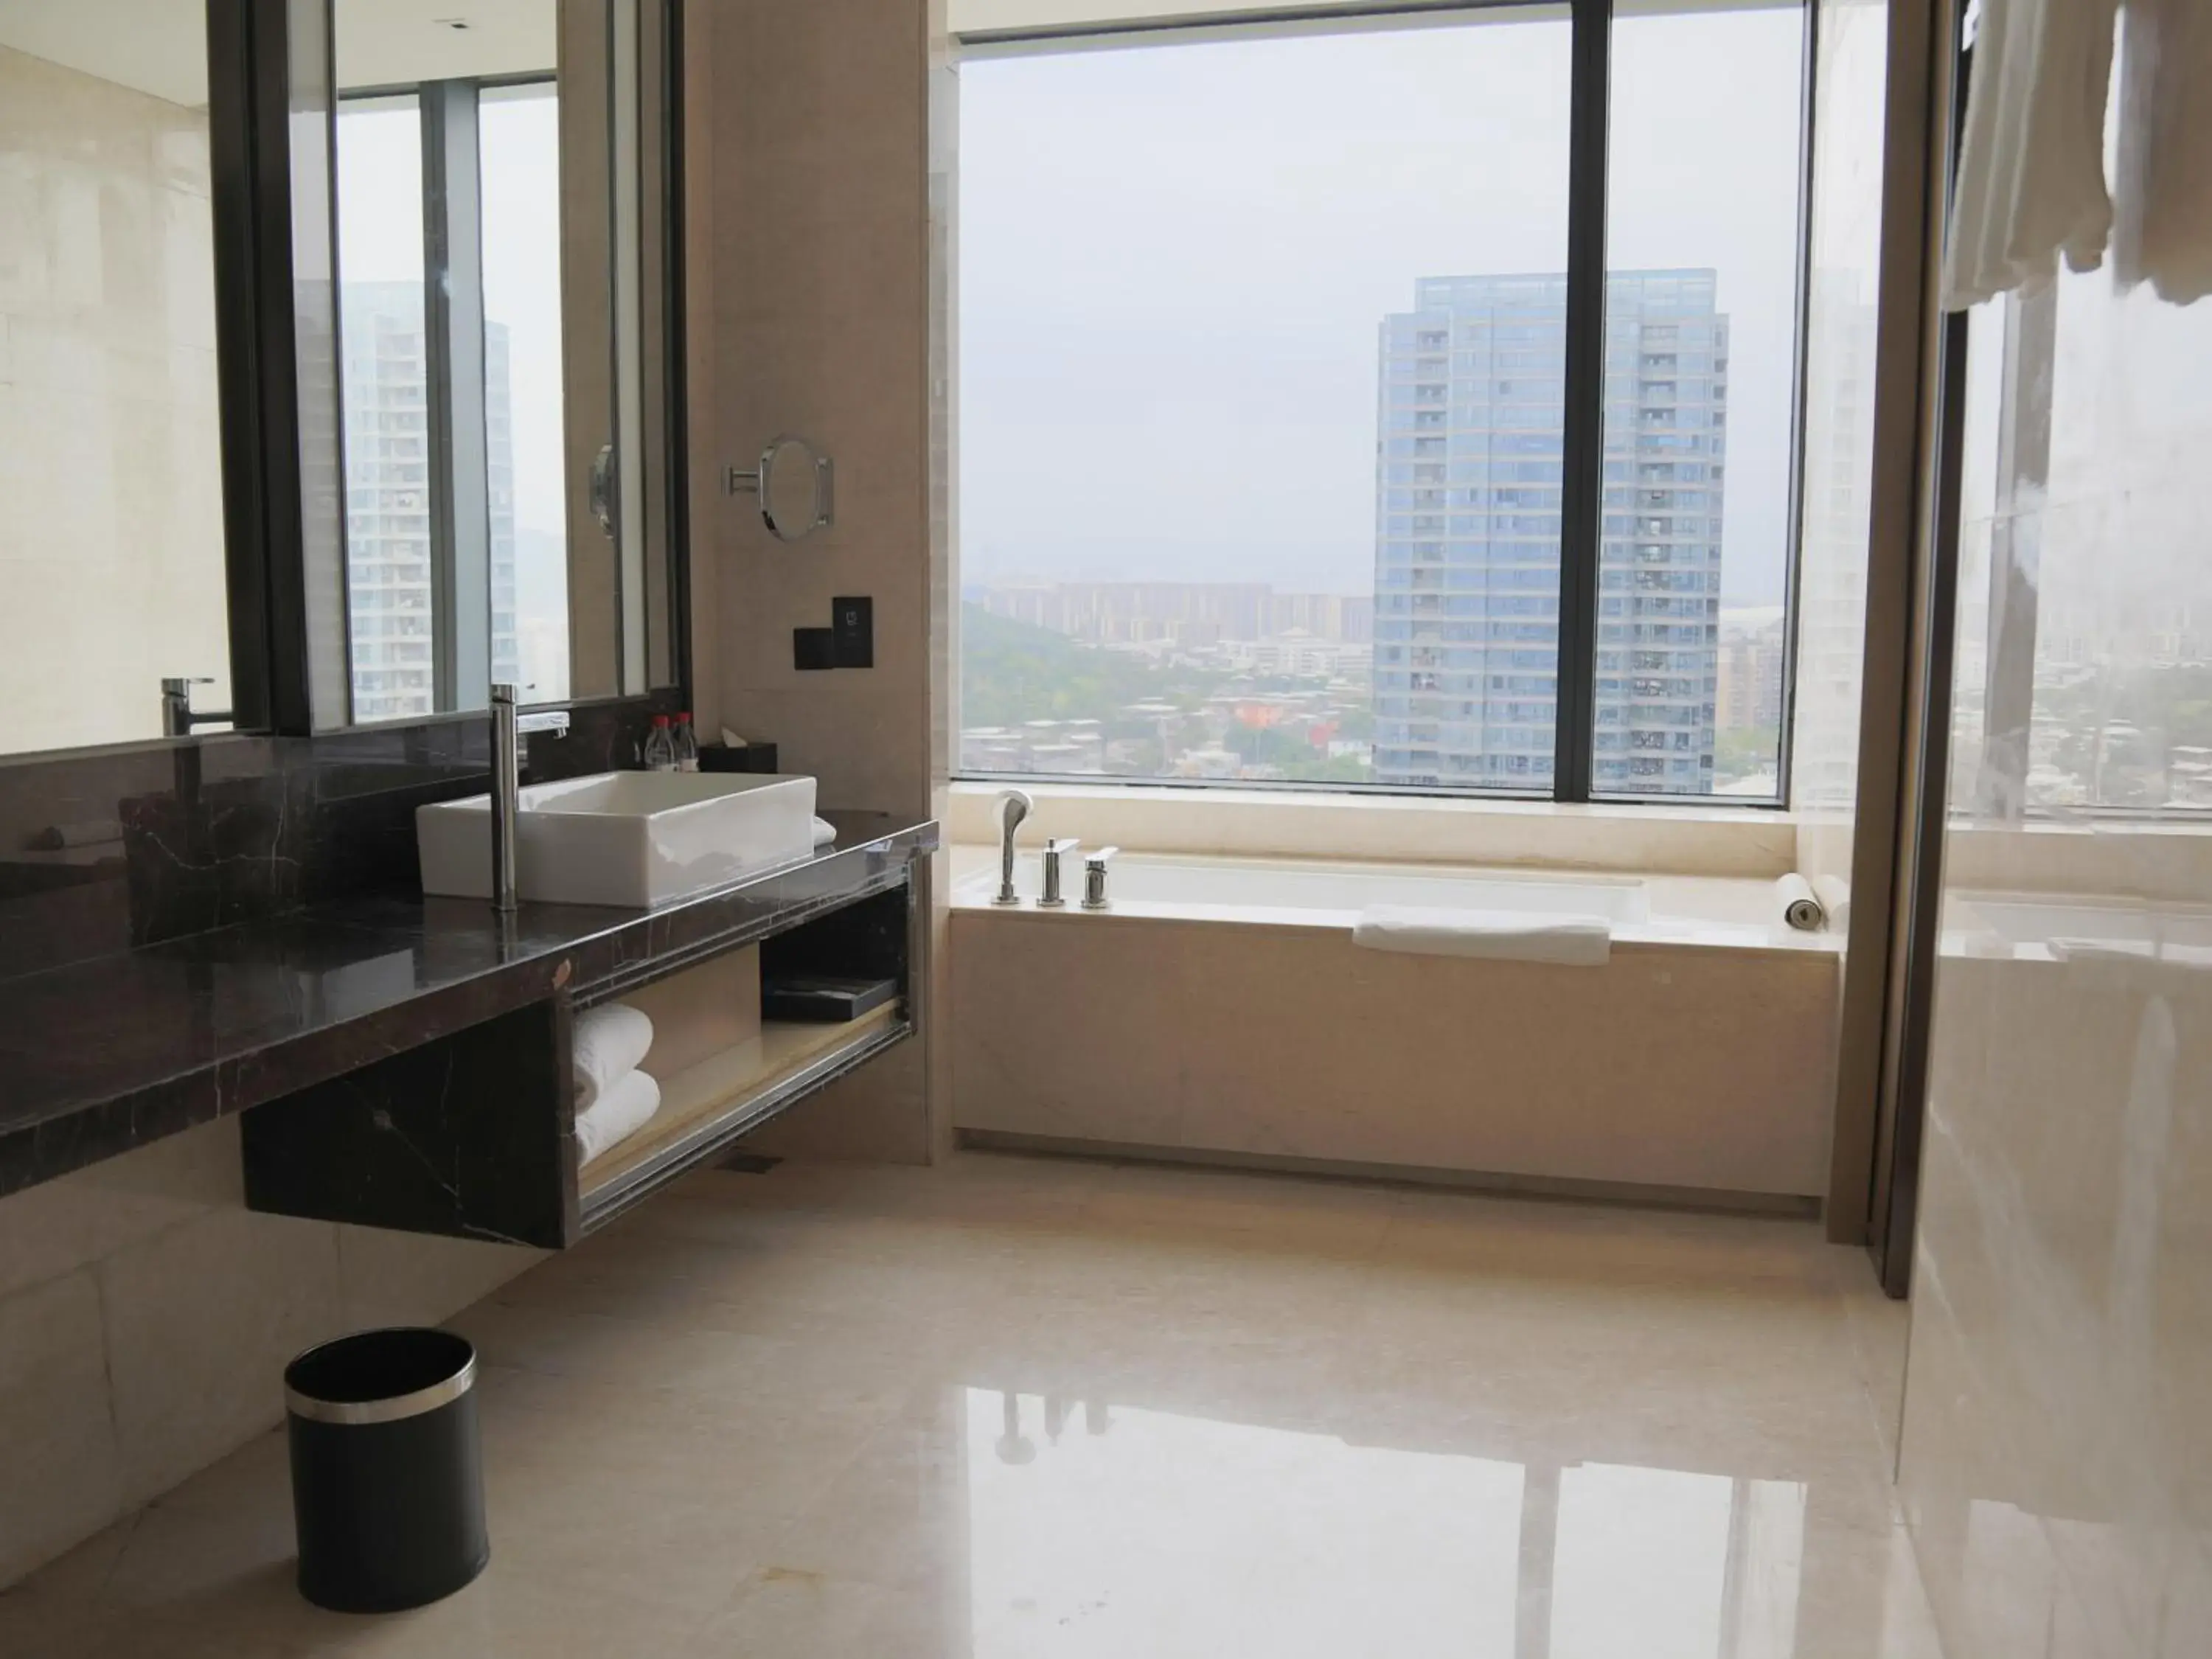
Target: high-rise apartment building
[(1466, 564), (389, 588)]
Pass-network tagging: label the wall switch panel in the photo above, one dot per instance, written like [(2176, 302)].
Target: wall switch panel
[(852, 621)]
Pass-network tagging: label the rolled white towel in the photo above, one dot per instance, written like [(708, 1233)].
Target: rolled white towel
[(825, 832), (1835, 896), (1574, 941), (619, 1113), (1800, 908), (611, 1040)]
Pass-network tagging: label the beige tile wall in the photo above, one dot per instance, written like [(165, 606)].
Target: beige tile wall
[(112, 545), (816, 237), (145, 1319)]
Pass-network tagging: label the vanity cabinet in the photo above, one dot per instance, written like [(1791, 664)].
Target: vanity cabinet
[(471, 1134)]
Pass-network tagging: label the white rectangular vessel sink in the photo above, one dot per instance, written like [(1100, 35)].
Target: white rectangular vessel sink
[(630, 838)]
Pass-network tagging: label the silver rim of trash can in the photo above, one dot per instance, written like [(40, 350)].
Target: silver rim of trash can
[(382, 1410)]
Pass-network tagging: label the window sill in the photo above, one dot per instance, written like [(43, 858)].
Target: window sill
[(1411, 828)]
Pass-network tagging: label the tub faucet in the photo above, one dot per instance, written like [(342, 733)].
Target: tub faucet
[(1014, 807), (1094, 878), (1055, 851)]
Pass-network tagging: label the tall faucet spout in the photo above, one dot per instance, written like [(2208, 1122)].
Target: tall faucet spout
[(505, 796)]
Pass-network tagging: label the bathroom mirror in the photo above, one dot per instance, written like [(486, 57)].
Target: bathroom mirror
[(114, 571), (499, 324), (796, 486)]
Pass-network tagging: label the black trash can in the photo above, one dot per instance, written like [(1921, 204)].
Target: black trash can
[(387, 1469)]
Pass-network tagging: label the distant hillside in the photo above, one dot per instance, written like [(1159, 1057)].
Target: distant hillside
[(1011, 671)]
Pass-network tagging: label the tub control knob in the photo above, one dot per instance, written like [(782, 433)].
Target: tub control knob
[(1055, 851), (1094, 877)]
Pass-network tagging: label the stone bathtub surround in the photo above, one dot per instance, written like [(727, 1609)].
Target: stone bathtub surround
[(1697, 1064), (106, 1055)]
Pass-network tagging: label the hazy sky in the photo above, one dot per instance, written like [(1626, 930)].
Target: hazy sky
[(1173, 260)]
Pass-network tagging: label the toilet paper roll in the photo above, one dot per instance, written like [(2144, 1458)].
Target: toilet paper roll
[(1835, 896), (1800, 908)]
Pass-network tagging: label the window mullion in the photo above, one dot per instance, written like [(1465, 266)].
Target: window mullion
[(1582, 468), (453, 356)]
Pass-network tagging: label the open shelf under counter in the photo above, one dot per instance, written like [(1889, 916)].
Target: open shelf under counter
[(711, 1103), (465, 1126)]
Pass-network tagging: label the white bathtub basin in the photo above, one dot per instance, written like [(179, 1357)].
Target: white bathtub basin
[(1261, 884), (627, 838)]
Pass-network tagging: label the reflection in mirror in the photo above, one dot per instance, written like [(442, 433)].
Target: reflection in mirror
[(112, 549), (499, 508)]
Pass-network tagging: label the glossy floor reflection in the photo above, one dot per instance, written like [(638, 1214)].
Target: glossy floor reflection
[(1012, 1408)]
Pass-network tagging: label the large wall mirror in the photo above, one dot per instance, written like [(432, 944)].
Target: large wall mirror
[(334, 338), (111, 542), (500, 310)]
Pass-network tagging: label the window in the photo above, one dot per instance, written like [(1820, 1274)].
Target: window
[(454, 493), (518, 153), (384, 373), (1269, 467)]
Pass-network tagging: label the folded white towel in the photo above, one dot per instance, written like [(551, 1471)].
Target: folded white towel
[(619, 1113), (611, 1040), (1498, 935), (2130, 949)]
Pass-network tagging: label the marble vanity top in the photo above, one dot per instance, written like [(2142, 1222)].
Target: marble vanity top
[(100, 1056)]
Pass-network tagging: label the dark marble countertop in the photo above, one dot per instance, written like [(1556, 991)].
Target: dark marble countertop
[(102, 1055)]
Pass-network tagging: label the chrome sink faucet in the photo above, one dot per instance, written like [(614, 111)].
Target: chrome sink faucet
[(508, 727), (178, 718), (1014, 807)]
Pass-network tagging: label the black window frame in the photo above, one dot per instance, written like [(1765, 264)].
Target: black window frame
[(1583, 384)]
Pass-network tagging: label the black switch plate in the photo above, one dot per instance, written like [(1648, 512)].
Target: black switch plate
[(813, 647), (853, 621)]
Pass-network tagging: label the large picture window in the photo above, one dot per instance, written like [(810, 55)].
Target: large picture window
[(1401, 401)]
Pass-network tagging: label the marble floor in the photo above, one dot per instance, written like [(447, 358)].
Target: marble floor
[(1016, 1408)]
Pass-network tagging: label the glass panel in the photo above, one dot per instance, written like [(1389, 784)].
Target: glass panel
[(384, 370), (2084, 666), (1701, 329), (1260, 405), (519, 155), (112, 549)]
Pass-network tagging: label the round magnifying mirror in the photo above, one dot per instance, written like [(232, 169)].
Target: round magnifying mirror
[(795, 488)]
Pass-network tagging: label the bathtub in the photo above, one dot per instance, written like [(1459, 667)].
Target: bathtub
[(1155, 885), (1220, 1012)]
